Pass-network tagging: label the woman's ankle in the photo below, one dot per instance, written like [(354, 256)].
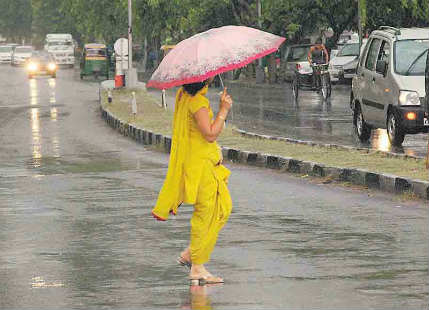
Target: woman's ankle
[(198, 269), (186, 254)]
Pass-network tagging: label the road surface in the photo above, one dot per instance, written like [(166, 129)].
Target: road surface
[(76, 230)]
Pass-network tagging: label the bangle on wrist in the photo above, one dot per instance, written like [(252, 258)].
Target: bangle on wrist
[(221, 117)]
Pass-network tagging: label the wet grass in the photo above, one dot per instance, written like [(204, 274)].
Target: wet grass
[(152, 116)]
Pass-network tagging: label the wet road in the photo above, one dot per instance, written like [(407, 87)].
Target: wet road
[(274, 112), (75, 229)]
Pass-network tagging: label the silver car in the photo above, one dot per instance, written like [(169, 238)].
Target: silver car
[(6, 54), (297, 61), (389, 89), (21, 54), (343, 65)]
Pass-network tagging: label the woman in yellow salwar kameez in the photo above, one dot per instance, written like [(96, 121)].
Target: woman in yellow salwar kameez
[(196, 175)]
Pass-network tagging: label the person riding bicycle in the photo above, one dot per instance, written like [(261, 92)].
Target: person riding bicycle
[(317, 55)]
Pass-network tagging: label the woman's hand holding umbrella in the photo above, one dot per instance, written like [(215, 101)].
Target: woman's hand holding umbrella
[(225, 104)]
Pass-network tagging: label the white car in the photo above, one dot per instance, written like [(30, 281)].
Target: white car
[(344, 64), (6, 52), (21, 54)]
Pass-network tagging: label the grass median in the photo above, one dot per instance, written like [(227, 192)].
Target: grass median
[(153, 117)]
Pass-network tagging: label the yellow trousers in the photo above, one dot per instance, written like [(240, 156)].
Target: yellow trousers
[(211, 211)]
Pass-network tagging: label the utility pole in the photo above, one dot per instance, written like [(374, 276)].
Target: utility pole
[(131, 73), (260, 74), (130, 34), (359, 23)]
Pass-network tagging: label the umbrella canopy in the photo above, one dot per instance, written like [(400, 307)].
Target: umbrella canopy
[(209, 53)]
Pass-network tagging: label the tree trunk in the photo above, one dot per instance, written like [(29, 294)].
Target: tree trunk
[(272, 69), (144, 60)]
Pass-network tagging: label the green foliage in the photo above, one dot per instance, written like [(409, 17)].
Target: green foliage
[(15, 19), (397, 13), (169, 21)]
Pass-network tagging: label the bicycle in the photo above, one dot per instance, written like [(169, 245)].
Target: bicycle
[(319, 80)]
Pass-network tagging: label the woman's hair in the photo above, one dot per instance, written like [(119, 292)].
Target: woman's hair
[(194, 88)]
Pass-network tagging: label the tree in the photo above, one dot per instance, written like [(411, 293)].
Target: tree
[(16, 19), (397, 13)]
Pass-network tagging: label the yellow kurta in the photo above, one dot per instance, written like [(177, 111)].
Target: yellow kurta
[(195, 176)]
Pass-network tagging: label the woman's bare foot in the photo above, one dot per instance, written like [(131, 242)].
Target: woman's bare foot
[(200, 272), (186, 255)]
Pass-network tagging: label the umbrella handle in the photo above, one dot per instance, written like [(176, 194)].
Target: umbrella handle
[(232, 107), (221, 81)]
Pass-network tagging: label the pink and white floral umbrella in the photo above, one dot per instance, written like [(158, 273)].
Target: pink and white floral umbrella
[(210, 53)]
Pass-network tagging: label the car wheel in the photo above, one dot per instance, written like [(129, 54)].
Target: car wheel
[(394, 131), (362, 129)]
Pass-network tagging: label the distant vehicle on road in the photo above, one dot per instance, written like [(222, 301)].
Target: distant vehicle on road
[(94, 61), (343, 65), (6, 52), (346, 37), (389, 89), (41, 63), (21, 54), (297, 61), (62, 48)]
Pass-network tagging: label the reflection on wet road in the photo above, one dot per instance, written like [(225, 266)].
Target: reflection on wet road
[(76, 230), (274, 112)]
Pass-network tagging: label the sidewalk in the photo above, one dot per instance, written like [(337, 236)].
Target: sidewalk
[(377, 171)]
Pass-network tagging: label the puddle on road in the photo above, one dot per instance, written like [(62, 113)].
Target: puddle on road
[(85, 163), (55, 165)]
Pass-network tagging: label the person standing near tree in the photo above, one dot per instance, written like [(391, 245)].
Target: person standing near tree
[(196, 175)]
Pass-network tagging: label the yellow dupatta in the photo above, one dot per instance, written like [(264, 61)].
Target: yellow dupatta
[(172, 194)]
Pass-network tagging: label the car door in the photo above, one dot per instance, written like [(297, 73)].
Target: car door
[(368, 75), (382, 86)]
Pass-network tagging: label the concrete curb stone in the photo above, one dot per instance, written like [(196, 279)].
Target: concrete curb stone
[(383, 182), (329, 146)]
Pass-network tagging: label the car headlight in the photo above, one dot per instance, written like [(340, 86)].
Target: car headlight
[(52, 66), (409, 98), (33, 66)]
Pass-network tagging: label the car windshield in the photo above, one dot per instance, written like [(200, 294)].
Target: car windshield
[(298, 53), (55, 43), (41, 58), (410, 57), (351, 49), (95, 52), (22, 50), (5, 49)]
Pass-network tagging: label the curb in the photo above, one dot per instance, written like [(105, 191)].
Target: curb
[(383, 182), (329, 146)]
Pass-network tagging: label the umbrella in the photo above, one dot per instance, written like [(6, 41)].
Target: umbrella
[(210, 53)]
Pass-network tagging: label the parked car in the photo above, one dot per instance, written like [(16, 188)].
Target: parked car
[(389, 89), (296, 60), (343, 65), (21, 54), (6, 52), (41, 63), (346, 37)]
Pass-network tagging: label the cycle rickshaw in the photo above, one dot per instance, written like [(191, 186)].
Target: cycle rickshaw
[(314, 78)]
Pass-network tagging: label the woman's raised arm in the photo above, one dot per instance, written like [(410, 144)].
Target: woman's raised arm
[(209, 130)]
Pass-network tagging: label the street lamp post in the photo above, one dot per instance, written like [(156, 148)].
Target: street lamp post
[(130, 35), (360, 23), (260, 74), (132, 73)]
